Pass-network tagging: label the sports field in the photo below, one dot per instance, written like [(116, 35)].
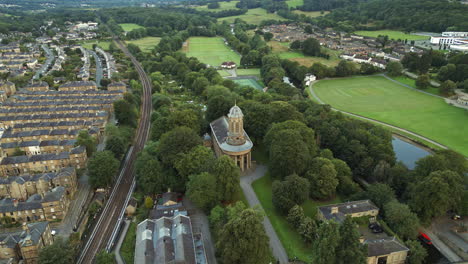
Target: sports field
[(249, 82), (392, 34), (248, 72), (253, 16), (294, 3), (381, 99), (129, 26), (146, 44), (211, 51)]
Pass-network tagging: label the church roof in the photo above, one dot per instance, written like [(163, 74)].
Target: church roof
[(220, 128), (235, 112)]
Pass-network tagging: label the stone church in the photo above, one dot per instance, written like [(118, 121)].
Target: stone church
[(229, 138)]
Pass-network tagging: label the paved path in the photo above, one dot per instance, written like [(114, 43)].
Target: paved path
[(412, 88), (275, 244), (415, 76), (444, 249), (312, 92), (118, 257)]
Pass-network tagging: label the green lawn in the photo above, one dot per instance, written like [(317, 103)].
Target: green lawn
[(250, 72), (294, 3), (127, 251), (410, 82), (89, 44), (311, 13), (211, 51), (222, 6), (378, 98), (253, 16), (129, 26), (282, 49), (392, 34), (249, 82), (146, 44)]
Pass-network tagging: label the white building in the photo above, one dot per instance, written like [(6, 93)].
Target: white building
[(455, 34)]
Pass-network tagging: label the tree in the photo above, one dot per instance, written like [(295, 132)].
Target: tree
[(448, 87), (105, 258), (125, 113), (423, 81), (148, 202), (323, 178), (346, 185), (295, 45), (149, 175), (18, 152), (213, 5), (311, 47), (350, 249), (293, 190), (417, 252), (380, 194), (86, 140), (345, 68), (267, 36), (307, 229), (324, 246), (59, 252), (116, 145), (243, 239), (102, 167), (436, 194), (200, 84), (295, 215), (401, 220), (202, 191), (105, 82), (383, 40), (178, 141), (394, 68), (308, 29), (197, 160), (227, 177)]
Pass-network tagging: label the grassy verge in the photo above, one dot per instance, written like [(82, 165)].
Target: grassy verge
[(127, 251), (412, 83)]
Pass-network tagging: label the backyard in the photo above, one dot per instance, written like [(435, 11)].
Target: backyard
[(379, 98), (211, 51), (129, 26), (392, 34), (146, 44), (290, 238), (253, 16)]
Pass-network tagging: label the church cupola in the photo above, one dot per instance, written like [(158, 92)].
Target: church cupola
[(236, 126)]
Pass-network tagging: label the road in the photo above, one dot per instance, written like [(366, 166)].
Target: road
[(98, 62), (246, 184), (312, 92), (108, 219)]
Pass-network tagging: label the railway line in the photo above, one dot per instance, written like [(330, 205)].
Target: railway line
[(109, 218)]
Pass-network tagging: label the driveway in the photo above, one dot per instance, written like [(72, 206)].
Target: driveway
[(246, 185)]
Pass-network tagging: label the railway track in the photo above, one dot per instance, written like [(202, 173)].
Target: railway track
[(109, 218)]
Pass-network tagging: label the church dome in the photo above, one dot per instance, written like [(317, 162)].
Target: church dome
[(235, 112)]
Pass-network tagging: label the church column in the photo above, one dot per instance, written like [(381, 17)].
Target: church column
[(242, 162)]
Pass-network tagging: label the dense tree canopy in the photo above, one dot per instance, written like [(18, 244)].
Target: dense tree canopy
[(102, 167)]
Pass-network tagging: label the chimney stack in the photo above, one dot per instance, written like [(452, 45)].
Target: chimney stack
[(334, 210)]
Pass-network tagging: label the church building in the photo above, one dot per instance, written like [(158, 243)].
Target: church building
[(229, 138)]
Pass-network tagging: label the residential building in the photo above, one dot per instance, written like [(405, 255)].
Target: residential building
[(168, 240), (19, 165), (338, 212), (117, 86), (37, 86), (230, 138), (26, 244), (169, 206), (35, 147), (78, 86), (8, 87), (388, 251)]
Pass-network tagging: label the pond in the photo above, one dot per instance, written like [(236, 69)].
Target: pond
[(407, 152)]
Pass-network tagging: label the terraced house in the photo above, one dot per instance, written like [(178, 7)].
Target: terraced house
[(25, 245)]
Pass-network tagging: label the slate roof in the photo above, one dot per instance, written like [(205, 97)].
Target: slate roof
[(41, 157), (346, 209), (54, 195), (381, 247), (52, 116), (40, 132), (36, 230), (78, 84), (165, 240), (220, 128)]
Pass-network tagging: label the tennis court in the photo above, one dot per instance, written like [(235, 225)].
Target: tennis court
[(249, 82)]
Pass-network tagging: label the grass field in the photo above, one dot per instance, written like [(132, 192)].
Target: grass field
[(249, 72), (129, 26), (378, 98), (294, 3), (222, 6), (282, 49), (211, 51), (310, 13), (392, 34), (146, 44), (89, 44), (249, 82), (253, 16), (410, 82), (288, 235)]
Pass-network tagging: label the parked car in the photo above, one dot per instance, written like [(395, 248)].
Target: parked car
[(425, 238), (456, 217)]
